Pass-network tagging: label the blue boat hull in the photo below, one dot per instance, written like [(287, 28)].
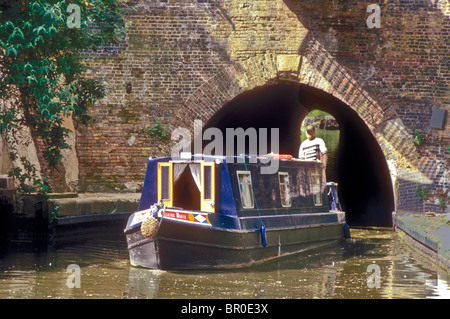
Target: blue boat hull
[(182, 245)]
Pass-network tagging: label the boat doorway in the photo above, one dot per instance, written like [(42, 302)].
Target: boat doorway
[(365, 187), (186, 191), (187, 185)]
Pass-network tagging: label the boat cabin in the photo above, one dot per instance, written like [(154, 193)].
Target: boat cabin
[(236, 194)]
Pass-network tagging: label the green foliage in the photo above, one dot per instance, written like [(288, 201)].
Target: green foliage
[(28, 173), (418, 138), (43, 75), (318, 113), (443, 203), (54, 214), (442, 197), (422, 192), (157, 130)]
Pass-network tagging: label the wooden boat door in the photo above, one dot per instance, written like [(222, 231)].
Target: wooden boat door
[(165, 183), (207, 200)]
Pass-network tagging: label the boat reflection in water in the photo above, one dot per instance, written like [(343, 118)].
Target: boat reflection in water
[(215, 213)]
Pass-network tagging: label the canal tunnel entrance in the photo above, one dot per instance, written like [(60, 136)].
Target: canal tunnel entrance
[(360, 169)]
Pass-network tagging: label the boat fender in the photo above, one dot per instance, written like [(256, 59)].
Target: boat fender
[(262, 229), (347, 231), (150, 227)]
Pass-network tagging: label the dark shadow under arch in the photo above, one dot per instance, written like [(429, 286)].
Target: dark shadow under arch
[(365, 187)]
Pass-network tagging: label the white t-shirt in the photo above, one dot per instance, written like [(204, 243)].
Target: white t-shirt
[(311, 149)]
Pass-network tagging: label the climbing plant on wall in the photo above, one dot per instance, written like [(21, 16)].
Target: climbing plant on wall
[(42, 75)]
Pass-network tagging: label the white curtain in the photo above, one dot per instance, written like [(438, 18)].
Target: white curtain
[(178, 169), (195, 171), (245, 184)]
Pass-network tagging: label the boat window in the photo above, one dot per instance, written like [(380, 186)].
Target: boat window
[(207, 182), (165, 184), (284, 189), (245, 189), (316, 189), (208, 189), (165, 189)]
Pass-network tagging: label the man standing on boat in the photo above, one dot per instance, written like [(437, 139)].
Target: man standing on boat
[(313, 148)]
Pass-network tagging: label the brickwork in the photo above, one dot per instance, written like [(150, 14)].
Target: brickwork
[(167, 58), (184, 60)]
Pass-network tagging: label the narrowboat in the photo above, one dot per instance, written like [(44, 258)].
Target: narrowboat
[(331, 123), (224, 212)]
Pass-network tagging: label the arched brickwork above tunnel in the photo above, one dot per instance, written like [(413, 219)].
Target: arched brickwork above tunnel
[(311, 70)]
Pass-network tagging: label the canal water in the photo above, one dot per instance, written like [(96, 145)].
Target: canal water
[(375, 263)]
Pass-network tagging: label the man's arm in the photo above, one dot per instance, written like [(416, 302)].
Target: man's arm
[(324, 153), (324, 159)]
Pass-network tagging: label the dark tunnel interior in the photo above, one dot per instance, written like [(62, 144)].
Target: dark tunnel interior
[(365, 188)]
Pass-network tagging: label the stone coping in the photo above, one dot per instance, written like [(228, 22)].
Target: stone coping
[(431, 232)]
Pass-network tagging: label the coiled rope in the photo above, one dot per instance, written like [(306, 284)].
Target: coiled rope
[(150, 226)]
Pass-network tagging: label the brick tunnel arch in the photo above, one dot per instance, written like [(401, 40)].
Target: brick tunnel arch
[(365, 185)]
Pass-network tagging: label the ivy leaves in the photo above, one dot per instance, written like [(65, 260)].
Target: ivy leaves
[(42, 72)]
